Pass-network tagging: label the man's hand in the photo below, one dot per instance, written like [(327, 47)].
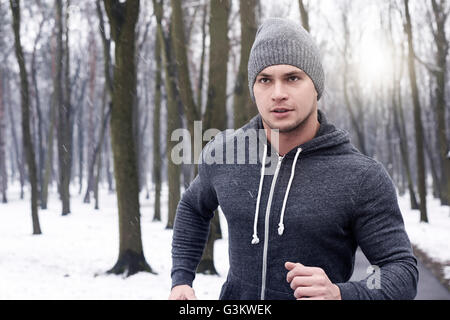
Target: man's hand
[(310, 283), (183, 292)]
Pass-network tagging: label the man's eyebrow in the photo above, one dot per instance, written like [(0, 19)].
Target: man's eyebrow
[(293, 73), (289, 74)]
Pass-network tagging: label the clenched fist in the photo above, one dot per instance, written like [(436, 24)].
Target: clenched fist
[(183, 292), (311, 283)]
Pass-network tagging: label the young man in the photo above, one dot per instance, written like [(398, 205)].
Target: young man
[(293, 232)]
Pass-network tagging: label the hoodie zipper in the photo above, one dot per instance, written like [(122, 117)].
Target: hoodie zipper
[(266, 228)]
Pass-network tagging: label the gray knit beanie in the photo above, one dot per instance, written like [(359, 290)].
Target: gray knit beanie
[(282, 41)]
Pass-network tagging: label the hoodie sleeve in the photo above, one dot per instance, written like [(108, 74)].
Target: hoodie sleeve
[(191, 226), (379, 230)]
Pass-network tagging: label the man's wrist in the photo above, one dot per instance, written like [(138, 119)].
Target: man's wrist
[(182, 277), (336, 292)]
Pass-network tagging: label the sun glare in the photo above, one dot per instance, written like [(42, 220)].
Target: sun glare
[(375, 63)]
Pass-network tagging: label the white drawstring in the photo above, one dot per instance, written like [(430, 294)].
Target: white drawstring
[(258, 199), (281, 224), (255, 239)]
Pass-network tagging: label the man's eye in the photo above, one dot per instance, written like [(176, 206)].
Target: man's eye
[(264, 80), (293, 78)]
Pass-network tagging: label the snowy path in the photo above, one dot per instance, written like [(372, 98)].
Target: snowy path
[(429, 288)]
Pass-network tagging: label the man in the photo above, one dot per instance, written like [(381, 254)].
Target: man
[(323, 199)]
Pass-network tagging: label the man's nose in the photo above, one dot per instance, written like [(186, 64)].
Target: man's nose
[(279, 92)]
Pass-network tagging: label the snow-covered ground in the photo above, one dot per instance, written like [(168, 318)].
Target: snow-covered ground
[(433, 238), (69, 260)]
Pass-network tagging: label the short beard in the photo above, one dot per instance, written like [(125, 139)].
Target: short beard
[(295, 126)]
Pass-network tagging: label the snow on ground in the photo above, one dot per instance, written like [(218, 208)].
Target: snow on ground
[(433, 237), (63, 262), (69, 259)]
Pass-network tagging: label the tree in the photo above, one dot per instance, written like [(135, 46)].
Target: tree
[(173, 119), (304, 15), (398, 116), (18, 152), (62, 100), (25, 107), (123, 16), (3, 173), (51, 129), (156, 131), (441, 13), (243, 108), (105, 113), (34, 71), (202, 59), (354, 109), (417, 117), (192, 112), (91, 105), (215, 114)]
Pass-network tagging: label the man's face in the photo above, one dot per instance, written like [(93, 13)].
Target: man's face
[(285, 97)]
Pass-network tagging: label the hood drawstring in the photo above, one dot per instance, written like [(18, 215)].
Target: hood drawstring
[(258, 199), (255, 239), (281, 224)]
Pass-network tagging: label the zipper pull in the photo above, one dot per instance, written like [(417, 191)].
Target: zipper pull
[(280, 159)]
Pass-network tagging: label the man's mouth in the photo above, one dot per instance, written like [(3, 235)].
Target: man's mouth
[(281, 110)]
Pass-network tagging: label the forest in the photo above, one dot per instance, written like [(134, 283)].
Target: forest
[(91, 92)]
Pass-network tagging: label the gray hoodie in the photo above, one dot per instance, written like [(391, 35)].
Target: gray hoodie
[(322, 201)]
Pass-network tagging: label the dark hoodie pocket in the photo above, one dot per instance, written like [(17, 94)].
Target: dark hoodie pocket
[(225, 293)]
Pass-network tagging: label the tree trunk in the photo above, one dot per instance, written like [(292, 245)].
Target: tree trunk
[(25, 107), (202, 59), (109, 176), (215, 114), (304, 15), (17, 151), (183, 76), (91, 127), (123, 17), (157, 167), (108, 84), (105, 114), (41, 159), (58, 95), (401, 131), (80, 127), (243, 107), (356, 117), (442, 47), (62, 100), (417, 118), (48, 173), (173, 120), (98, 149), (3, 173), (399, 119)]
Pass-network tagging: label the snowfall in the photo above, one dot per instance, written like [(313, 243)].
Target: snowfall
[(69, 259)]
